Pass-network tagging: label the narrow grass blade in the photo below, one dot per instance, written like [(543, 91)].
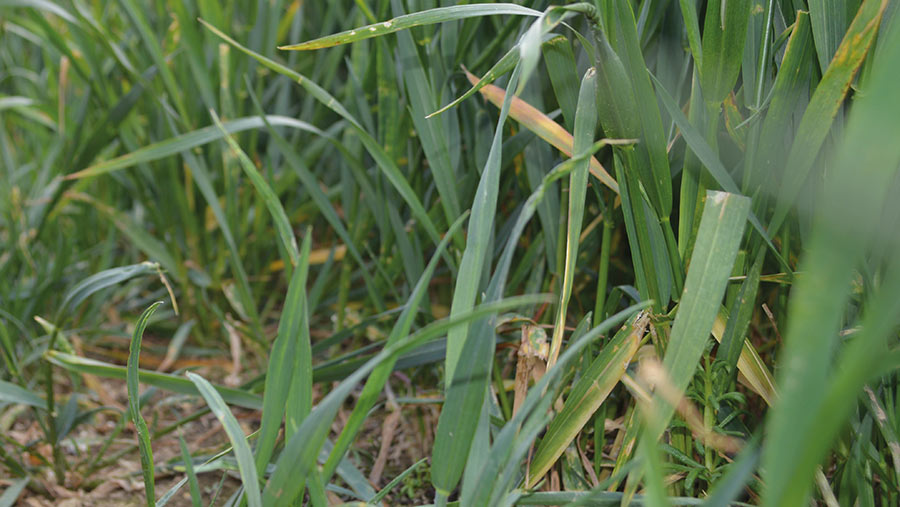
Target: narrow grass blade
[(165, 381), (204, 183), (562, 68), (544, 127), (12, 393), (469, 356), (503, 65), (168, 495), (732, 484), (718, 239), (426, 17), (43, 5), (732, 339), (375, 500), (193, 44), (350, 474), (299, 400), (587, 395), (479, 234), (287, 346), (196, 497), (380, 374), (299, 455), (154, 248), (692, 27), (824, 104), (385, 163), (138, 20), (102, 280), (11, 494), (236, 436), (639, 223), (513, 442), (791, 85), (651, 474), (617, 107), (712, 163), (273, 204), (134, 407), (318, 196), (829, 23), (530, 43), (431, 132), (585, 125), (756, 374), (653, 168), (189, 140)]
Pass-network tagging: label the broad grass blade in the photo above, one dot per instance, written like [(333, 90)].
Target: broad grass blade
[(587, 395), (653, 168), (530, 43), (829, 20), (718, 239), (824, 105), (724, 34), (236, 436), (11, 494), (498, 281), (515, 439), (791, 85), (280, 374), (479, 234), (585, 125), (816, 398)]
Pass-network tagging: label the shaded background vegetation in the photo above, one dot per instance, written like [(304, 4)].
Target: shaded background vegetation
[(311, 224)]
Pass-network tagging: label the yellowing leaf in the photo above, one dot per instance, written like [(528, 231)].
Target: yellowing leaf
[(545, 128), (753, 372)]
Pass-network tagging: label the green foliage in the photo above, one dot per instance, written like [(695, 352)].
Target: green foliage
[(178, 151)]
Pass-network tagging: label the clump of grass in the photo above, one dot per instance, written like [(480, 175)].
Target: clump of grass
[(321, 191)]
